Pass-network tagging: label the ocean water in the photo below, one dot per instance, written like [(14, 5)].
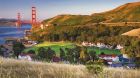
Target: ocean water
[(8, 31)]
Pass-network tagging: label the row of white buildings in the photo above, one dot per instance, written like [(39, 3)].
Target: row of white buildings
[(101, 45)]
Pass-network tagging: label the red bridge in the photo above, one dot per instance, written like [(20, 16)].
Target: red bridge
[(33, 21)]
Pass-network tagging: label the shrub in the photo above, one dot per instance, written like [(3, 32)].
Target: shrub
[(31, 52), (42, 53), (94, 67)]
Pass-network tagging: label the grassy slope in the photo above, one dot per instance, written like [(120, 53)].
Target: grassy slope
[(57, 45), (10, 68), (127, 12), (68, 20)]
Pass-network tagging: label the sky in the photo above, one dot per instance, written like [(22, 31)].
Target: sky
[(50, 8)]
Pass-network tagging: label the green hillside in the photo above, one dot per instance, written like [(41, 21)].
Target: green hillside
[(128, 12), (68, 20)]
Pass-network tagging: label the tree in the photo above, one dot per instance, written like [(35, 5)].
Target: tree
[(1, 52), (76, 53), (93, 55), (84, 56), (62, 54), (94, 67), (18, 47), (31, 52), (50, 54), (102, 53), (69, 55), (42, 53)]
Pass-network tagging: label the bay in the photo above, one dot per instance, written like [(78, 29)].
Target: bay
[(12, 31)]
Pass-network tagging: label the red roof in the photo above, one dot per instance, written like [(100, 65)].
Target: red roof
[(108, 55)]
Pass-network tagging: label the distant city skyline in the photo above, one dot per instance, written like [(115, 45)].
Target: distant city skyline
[(50, 8)]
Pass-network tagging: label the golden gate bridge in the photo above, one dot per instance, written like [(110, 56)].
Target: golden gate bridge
[(33, 21)]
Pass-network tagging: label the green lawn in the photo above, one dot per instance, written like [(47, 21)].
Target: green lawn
[(106, 51), (57, 45), (53, 45)]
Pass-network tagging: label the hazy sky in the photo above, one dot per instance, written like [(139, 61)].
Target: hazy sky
[(50, 8)]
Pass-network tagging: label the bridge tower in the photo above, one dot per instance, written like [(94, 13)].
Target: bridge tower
[(33, 16), (18, 20)]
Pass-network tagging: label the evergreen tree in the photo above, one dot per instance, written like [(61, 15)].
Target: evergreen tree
[(77, 50), (50, 53), (42, 53), (62, 54), (1, 52), (31, 52), (70, 55), (18, 48), (93, 55)]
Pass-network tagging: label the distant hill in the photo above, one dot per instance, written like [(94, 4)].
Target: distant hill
[(134, 32), (7, 22), (129, 12)]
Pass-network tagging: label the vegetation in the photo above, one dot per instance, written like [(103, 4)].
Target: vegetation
[(1, 52), (94, 28), (18, 48), (62, 54), (94, 67), (53, 45), (60, 47), (78, 28), (68, 20), (23, 69), (100, 33), (80, 33), (45, 54)]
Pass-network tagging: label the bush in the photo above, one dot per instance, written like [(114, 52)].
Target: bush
[(31, 52), (94, 67), (42, 53)]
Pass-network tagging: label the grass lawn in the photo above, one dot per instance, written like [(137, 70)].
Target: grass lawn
[(106, 51), (53, 45), (57, 45)]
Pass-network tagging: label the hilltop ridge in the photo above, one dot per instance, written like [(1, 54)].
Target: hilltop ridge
[(129, 12)]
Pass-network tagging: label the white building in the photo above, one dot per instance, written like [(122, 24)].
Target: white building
[(25, 57), (119, 47), (109, 58)]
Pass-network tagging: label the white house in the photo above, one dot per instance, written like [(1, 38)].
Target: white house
[(101, 45), (84, 43), (109, 58), (119, 47), (41, 26), (25, 57)]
